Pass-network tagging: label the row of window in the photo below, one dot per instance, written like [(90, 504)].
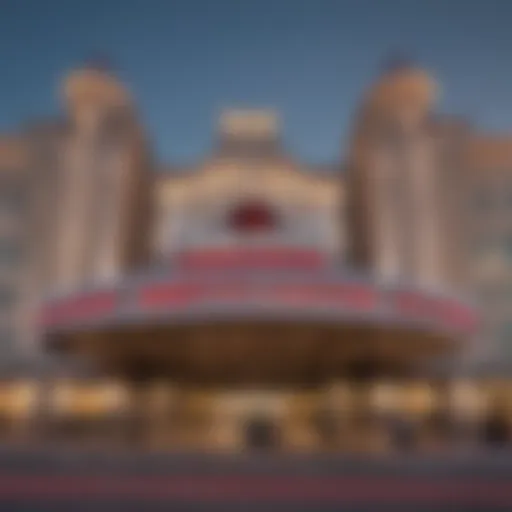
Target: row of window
[(11, 253), (489, 200), (494, 293), (7, 341), (12, 203), (7, 297), (493, 246), (504, 337), (12, 196)]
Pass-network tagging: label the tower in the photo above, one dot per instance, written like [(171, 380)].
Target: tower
[(106, 183), (394, 180)]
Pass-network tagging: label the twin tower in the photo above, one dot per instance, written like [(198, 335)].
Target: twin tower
[(400, 213)]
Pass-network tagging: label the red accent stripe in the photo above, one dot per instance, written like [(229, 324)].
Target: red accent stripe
[(348, 296), (443, 311), (250, 489), (251, 258), (168, 295), (80, 308), (464, 317), (355, 297)]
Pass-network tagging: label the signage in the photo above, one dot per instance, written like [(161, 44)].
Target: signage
[(251, 258), (365, 300), (358, 297)]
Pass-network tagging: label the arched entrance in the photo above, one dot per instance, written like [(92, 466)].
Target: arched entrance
[(262, 433)]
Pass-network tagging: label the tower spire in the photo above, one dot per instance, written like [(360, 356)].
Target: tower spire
[(100, 61), (397, 61)]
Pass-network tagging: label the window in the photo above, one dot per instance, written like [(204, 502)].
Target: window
[(490, 295), (507, 247), (483, 200), (7, 341), (484, 246), (505, 336), (7, 297), (11, 196), (114, 129), (10, 252)]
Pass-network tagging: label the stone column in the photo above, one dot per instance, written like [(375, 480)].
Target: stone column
[(37, 423), (161, 402), (300, 432), (441, 419), (467, 406), (336, 406), (22, 401), (226, 432), (135, 424)]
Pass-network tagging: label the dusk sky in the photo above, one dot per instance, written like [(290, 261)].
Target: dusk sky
[(185, 60)]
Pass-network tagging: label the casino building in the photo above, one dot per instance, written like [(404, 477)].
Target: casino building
[(250, 301)]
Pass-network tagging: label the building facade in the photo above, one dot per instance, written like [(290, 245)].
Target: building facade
[(13, 216), (428, 195), (489, 238), (371, 251), (248, 175), (415, 170), (412, 188)]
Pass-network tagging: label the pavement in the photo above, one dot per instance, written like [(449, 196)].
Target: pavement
[(56, 479)]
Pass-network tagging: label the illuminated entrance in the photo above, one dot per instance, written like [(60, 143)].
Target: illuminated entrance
[(286, 332)]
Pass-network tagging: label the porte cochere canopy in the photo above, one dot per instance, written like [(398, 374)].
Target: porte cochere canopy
[(255, 314)]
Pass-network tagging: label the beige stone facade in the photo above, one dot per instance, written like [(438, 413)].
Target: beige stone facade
[(13, 175), (488, 162), (193, 207), (106, 186), (416, 187), (395, 180), (410, 190)]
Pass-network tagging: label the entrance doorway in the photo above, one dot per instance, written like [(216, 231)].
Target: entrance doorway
[(262, 433)]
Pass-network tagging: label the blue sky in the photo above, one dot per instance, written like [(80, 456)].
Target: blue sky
[(185, 60)]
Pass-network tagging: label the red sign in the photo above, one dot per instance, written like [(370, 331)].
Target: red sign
[(251, 258), (357, 297), (349, 297)]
